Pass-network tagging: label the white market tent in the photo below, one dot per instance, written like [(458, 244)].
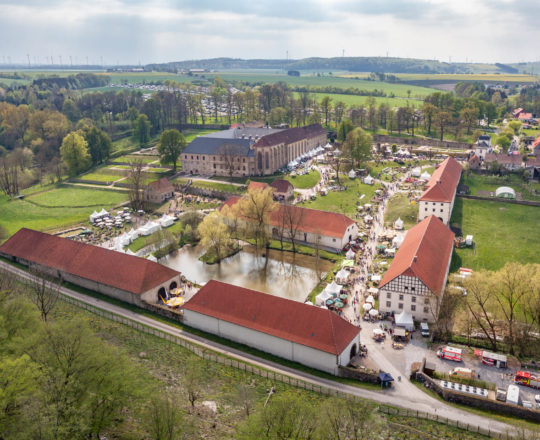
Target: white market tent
[(376, 278), (373, 312), (370, 299), (425, 176), (321, 298), (390, 252), (505, 192), (397, 241), (124, 239), (342, 276), (405, 320), (94, 216), (350, 255), (378, 331), (133, 234), (149, 228), (368, 219), (332, 288), (368, 180), (373, 291), (352, 174), (398, 224), (130, 252), (328, 146), (367, 306), (416, 172), (166, 221), (152, 258), (103, 213)]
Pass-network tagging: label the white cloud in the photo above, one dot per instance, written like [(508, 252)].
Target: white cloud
[(167, 30)]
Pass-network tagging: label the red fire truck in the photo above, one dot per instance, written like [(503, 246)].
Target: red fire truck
[(528, 379), (450, 353)]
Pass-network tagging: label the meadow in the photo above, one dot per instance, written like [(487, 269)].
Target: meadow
[(399, 206), (305, 181), (502, 232), (55, 208), (476, 182), (355, 100)]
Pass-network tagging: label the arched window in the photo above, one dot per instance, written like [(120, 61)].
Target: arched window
[(267, 160), (353, 352), (162, 294), (173, 285), (259, 160)]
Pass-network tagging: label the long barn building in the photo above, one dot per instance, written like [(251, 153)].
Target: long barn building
[(115, 274), (291, 330)]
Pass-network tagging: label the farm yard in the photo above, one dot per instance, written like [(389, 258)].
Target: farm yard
[(502, 232)]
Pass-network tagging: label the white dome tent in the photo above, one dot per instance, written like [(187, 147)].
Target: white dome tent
[(367, 306), (398, 224), (416, 172), (350, 255), (374, 312), (368, 180), (370, 299), (333, 288), (352, 174), (425, 176), (505, 192), (342, 276), (405, 320)]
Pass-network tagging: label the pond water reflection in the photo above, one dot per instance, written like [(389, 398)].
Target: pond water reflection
[(282, 274)]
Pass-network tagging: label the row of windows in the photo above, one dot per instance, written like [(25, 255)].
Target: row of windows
[(425, 209), (214, 158), (400, 307), (413, 298)]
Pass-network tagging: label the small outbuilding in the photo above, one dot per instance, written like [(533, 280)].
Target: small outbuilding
[(505, 192)]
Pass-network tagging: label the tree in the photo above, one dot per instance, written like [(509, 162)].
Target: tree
[(357, 146), (171, 144), (256, 206), (344, 129), (231, 154), (344, 420), (429, 111), (443, 311), (245, 397), (44, 293), (192, 380), (336, 162), (490, 112), (9, 176), (326, 106), (141, 129), (292, 221), (135, 180), (74, 153), (99, 145), (442, 119), (215, 235), (164, 419), (469, 116), (515, 126)]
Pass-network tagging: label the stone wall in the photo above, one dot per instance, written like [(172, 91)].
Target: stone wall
[(362, 376), (421, 141), (479, 402)]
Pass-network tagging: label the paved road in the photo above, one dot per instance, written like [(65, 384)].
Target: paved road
[(404, 394)]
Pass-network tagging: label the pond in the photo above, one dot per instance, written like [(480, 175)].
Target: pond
[(283, 274)]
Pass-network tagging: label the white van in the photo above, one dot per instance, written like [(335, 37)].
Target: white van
[(424, 329)]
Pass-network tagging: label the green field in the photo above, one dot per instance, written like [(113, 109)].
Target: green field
[(130, 157), (217, 186), (355, 100), (305, 181), (400, 206), (502, 232), (71, 196), (16, 214), (344, 201), (100, 177), (477, 182)]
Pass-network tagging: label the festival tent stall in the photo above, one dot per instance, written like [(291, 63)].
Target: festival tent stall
[(166, 221), (375, 278), (94, 216), (124, 239), (373, 291), (352, 174), (398, 224), (350, 255), (130, 252), (397, 241), (368, 219), (405, 320), (390, 252), (103, 213), (374, 312), (416, 172), (367, 306), (425, 176), (133, 234), (342, 276), (370, 299), (321, 298), (368, 180), (152, 258), (149, 228), (333, 288)]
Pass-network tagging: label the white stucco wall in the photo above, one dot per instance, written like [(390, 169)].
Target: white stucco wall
[(279, 347)]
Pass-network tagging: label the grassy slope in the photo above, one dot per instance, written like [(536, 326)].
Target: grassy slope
[(305, 181), (502, 232), (344, 201), (77, 196)]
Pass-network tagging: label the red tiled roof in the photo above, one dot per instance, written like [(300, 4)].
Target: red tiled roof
[(162, 185), (291, 135), (257, 185), (329, 224), (125, 272), (281, 185), (536, 143), (524, 115), (515, 159), (283, 318), (425, 254), (443, 183)]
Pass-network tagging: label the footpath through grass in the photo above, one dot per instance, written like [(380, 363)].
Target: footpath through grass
[(502, 232)]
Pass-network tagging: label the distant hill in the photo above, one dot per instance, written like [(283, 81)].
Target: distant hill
[(350, 64)]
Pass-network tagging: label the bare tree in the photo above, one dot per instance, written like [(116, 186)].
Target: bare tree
[(9, 176), (136, 184), (245, 397), (164, 419), (192, 381), (293, 221), (44, 292), (231, 155), (443, 311)]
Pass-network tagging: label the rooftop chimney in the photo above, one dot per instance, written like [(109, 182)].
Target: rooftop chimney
[(415, 258)]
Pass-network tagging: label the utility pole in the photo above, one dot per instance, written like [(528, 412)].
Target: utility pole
[(28, 56), (60, 58), (70, 61)]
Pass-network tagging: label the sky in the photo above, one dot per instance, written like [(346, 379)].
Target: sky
[(148, 31)]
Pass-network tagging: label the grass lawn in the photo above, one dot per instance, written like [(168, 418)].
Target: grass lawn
[(400, 206), (306, 181), (72, 196), (356, 100), (176, 228), (218, 186), (130, 157), (100, 177), (502, 232), (478, 182), (344, 201)]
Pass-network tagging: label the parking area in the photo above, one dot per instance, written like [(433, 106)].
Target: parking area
[(416, 350)]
